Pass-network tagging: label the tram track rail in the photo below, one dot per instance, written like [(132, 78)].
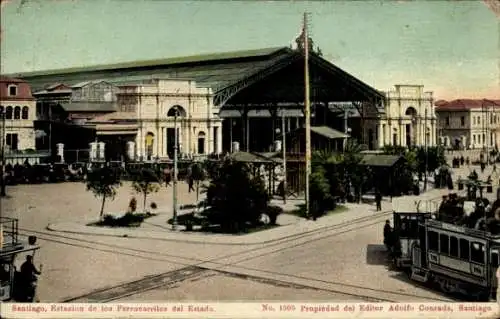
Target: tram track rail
[(217, 263)]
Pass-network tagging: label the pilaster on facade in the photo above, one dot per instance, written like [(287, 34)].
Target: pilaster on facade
[(166, 106), (409, 118)]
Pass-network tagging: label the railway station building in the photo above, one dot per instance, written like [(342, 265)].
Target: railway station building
[(219, 99)]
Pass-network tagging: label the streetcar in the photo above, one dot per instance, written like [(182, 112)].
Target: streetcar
[(458, 259), (13, 287), (409, 211)]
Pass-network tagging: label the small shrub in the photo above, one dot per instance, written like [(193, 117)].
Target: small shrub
[(153, 205), (273, 212)]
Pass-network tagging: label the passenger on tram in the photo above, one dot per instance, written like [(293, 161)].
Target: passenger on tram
[(387, 234)]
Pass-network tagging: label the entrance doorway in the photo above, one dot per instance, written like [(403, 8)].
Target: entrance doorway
[(201, 143)]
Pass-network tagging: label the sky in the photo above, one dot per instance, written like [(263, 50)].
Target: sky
[(450, 47)]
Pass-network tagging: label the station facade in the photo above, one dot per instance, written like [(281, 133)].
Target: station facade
[(223, 98)]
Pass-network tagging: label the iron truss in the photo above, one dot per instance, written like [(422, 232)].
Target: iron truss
[(223, 95)]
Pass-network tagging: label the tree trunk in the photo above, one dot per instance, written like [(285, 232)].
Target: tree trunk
[(102, 206), (144, 201), (197, 191)]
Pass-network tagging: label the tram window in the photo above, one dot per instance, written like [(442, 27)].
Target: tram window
[(464, 249), (413, 227), (477, 252), (404, 231), (433, 240), (453, 246), (4, 273), (494, 258), (444, 244)]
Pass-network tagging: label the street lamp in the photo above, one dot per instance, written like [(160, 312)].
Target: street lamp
[(174, 187), (283, 150)]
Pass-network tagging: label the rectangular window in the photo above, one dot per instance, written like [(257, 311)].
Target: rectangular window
[(462, 120), (12, 141), (464, 249), (453, 246), (474, 138), (477, 252), (447, 121), (12, 90), (494, 260), (444, 244), (473, 120), (433, 240), (478, 120)]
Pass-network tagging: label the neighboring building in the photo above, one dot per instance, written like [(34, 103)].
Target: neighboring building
[(62, 110), (146, 116), (77, 103), (409, 118), (469, 123), (18, 106)]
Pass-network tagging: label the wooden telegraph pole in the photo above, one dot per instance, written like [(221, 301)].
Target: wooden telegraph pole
[(307, 112)]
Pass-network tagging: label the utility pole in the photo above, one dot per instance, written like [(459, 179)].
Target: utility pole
[(484, 131), (426, 150), (174, 187), (283, 148), (307, 112), (2, 178), (346, 129)]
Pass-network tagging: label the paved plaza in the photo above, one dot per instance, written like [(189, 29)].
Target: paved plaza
[(337, 257)]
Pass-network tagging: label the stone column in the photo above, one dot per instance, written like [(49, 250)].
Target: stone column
[(219, 140), (131, 150), (101, 149), (139, 142), (60, 151), (402, 135), (380, 136), (92, 151)]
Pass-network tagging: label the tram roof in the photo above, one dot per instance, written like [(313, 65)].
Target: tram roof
[(413, 205)]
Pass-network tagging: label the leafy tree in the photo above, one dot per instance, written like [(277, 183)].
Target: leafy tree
[(103, 182), (355, 173), (198, 174), (236, 196), (320, 195), (145, 182)]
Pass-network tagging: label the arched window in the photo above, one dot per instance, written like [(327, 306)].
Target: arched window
[(17, 113), (8, 113), (149, 141), (25, 113), (201, 143), (176, 108)]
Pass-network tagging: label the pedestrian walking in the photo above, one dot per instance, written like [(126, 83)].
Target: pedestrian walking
[(378, 200), (191, 184), (168, 176)]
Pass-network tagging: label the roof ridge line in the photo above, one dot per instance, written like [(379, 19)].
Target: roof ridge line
[(212, 56)]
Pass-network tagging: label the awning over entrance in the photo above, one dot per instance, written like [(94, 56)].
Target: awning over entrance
[(381, 160), (116, 129)]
